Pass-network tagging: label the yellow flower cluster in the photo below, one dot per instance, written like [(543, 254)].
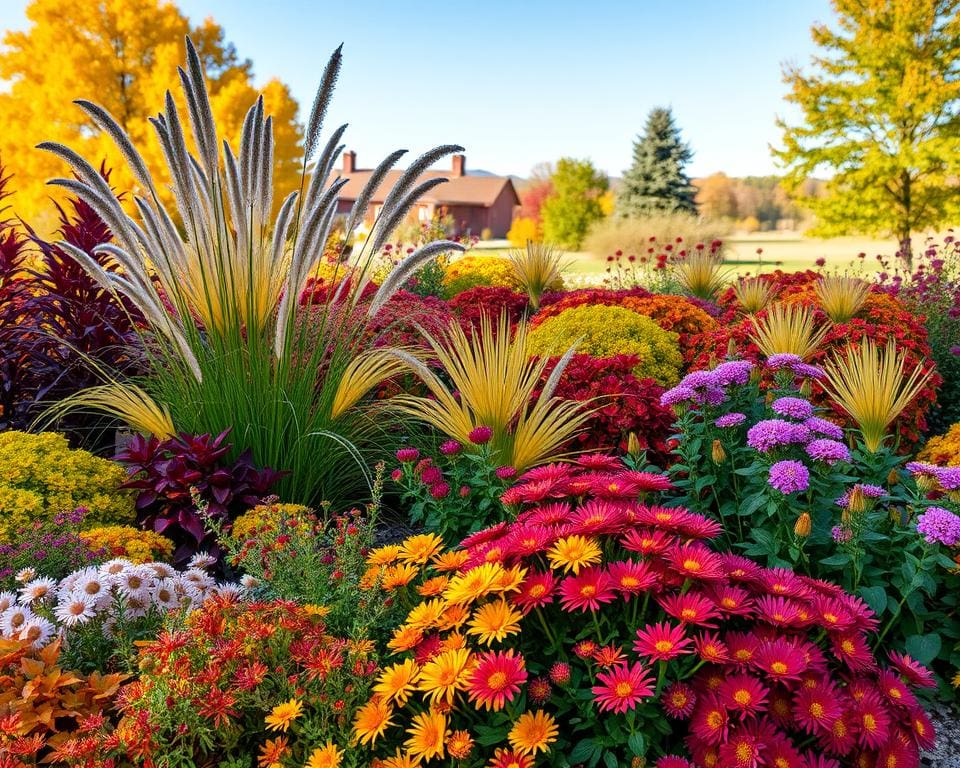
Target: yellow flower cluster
[(943, 450), (466, 611), (129, 542), (267, 516), (608, 331), (492, 271), (40, 476)]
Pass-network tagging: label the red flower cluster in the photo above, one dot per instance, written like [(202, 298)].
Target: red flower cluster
[(552, 304), (624, 405), (399, 321), (492, 301)]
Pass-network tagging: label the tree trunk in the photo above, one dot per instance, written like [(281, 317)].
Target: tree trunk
[(906, 248)]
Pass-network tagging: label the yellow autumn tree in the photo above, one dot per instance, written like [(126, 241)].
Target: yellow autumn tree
[(123, 56)]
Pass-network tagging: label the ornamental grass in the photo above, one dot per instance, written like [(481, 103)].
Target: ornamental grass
[(538, 267), (754, 294), (871, 385), (601, 627), (842, 297), (787, 329), (218, 281), (492, 378), (701, 273)]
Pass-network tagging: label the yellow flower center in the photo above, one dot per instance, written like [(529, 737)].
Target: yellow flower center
[(831, 617), (688, 613), (588, 590), (848, 646), (728, 602), (623, 689), (816, 710), (779, 667), (744, 751), (538, 590), (663, 646), (497, 681), (869, 722), (678, 699), (691, 565), (715, 719), (919, 727), (743, 655), (629, 581), (742, 697)]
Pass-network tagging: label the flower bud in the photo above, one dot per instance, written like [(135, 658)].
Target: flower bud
[(893, 477), (718, 454), (803, 526), (633, 445), (857, 503), (846, 518)]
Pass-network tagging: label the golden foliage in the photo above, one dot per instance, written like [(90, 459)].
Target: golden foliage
[(787, 328), (537, 266), (842, 297), (125, 55), (701, 274), (754, 293)]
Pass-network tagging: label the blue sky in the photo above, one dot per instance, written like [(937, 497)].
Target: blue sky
[(526, 81)]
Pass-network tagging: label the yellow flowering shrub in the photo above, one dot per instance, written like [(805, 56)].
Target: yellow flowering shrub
[(129, 542), (252, 522), (492, 271), (608, 331), (40, 476), (943, 450)]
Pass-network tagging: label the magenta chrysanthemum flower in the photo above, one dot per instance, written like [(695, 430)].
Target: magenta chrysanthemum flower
[(699, 379), (824, 427), (679, 394), (772, 433), (730, 420), (733, 372), (869, 491), (825, 449), (480, 435), (622, 688), (789, 476), (440, 490), (939, 526), (450, 448), (408, 455), (807, 371), (949, 478), (505, 473), (794, 407)]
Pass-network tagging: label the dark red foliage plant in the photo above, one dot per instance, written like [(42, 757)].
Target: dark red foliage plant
[(173, 475), (493, 301)]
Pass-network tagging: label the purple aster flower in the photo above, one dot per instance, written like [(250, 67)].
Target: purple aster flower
[(770, 433), (783, 360), (949, 478), (841, 535), (939, 525), (697, 379), (733, 372), (808, 371), (825, 449), (955, 350), (824, 427), (712, 396), (679, 394), (794, 407), (789, 476), (730, 420), (917, 468)]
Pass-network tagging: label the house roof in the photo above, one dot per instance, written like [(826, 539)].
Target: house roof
[(457, 190)]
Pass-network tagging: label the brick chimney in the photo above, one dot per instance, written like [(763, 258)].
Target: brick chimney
[(349, 162), (459, 165)]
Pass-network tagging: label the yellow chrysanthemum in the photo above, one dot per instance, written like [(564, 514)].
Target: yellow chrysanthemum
[(371, 577), (420, 548), (474, 584), (433, 587), (404, 638), (386, 555), (459, 745), (428, 735), (400, 760), (533, 732), (453, 641), (426, 614), (510, 580), (396, 576), (283, 714), (371, 720), (448, 562), (573, 553), (312, 609), (397, 682), (445, 674), (494, 621), (453, 617), (327, 756)]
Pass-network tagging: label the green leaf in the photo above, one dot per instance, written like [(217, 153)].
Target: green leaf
[(610, 760), (875, 597), (636, 744), (924, 648), (581, 751)]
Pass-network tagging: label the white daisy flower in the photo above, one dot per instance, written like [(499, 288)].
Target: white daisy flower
[(38, 631), (13, 619), (165, 595), (94, 585), (78, 608), (37, 590), (249, 582), (162, 570), (136, 606), (201, 560), (229, 591), (136, 582), (7, 600), (115, 567), (26, 574), (67, 583)]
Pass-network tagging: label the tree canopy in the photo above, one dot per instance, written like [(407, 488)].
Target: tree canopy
[(656, 181), (574, 204), (123, 56), (879, 109)]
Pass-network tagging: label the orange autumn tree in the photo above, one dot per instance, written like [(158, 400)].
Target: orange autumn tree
[(126, 55)]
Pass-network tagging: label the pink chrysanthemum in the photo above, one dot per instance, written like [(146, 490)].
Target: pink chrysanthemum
[(895, 690), (598, 517), (548, 515), (873, 721), (691, 608), (586, 591), (622, 688), (710, 720), (529, 540), (781, 659), (913, 671), (740, 568), (744, 695), (779, 611), (647, 541), (784, 583), (661, 642), (609, 656), (711, 648), (536, 591), (816, 709), (852, 649), (695, 561), (631, 578), (732, 601), (496, 679), (743, 647), (678, 700), (539, 690)]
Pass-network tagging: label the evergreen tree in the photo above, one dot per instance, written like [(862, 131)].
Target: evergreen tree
[(656, 182)]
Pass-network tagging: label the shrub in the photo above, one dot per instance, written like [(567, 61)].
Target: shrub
[(173, 476), (235, 680), (40, 476), (554, 303), (635, 235), (522, 231), (609, 331), (621, 405), (573, 204), (399, 321), (599, 626), (127, 542), (52, 546), (474, 271), (943, 449), (471, 305)]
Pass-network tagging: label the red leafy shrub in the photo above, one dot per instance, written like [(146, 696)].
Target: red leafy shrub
[(173, 475), (613, 618), (624, 405), (552, 304), (400, 320), (492, 301), (15, 372)]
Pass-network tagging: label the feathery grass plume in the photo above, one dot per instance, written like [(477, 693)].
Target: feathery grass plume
[(871, 386), (753, 293), (701, 274), (127, 402), (841, 297), (536, 266), (787, 328), (492, 380), (219, 281)]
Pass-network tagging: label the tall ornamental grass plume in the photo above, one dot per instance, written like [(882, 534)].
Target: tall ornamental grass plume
[(490, 398), (218, 279), (871, 385), (787, 329), (842, 297), (754, 294), (536, 267), (701, 272)]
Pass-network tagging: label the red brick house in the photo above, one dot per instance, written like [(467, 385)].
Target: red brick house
[(475, 203)]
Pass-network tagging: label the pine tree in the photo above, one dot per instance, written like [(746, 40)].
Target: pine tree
[(656, 182)]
